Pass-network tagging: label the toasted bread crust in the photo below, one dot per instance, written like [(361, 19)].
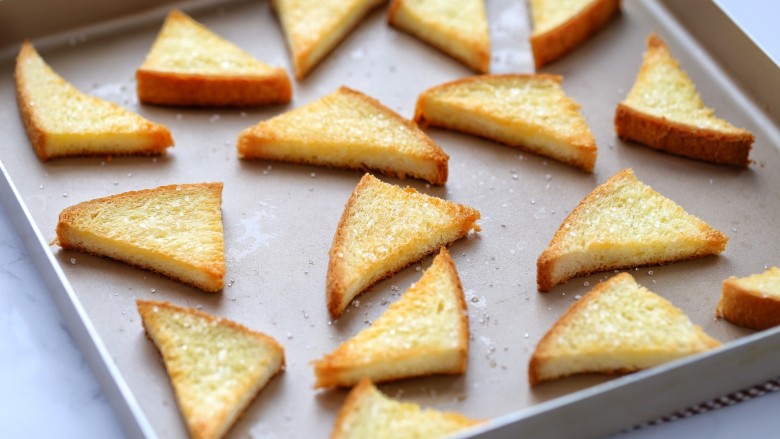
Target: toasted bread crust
[(478, 57), (214, 272), (330, 369), (744, 308), (158, 136), (545, 265), (586, 147), (175, 89), (208, 428), (336, 285), (555, 43), (305, 58), (710, 145), (251, 146)]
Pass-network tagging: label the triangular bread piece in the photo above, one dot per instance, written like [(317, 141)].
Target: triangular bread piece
[(368, 413), (624, 223), (313, 29), (189, 65), (459, 29), (425, 332), (173, 230), (618, 327), (561, 26), (347, 129), (61, 121), (385, 228), (217, 367), (530, 112), (753, 301), (664, 111)]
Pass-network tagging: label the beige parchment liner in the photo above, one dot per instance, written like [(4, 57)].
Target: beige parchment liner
[(279, 219)]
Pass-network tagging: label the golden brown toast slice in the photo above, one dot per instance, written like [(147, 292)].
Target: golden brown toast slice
[(425, 332), (618, 327), (385, 228), (61, 121), (459, 29), (530, 112), (173, 230), (368, 413), (664, 111), (752, 301), (624, 223), (350, 130), (217, 367), (560, 26), (189, 65), (313, 29)]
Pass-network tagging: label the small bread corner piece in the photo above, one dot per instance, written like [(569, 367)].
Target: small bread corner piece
[(189, 65), (753, 301), (664, 111), (383, 229), (425, 332), (618, 327), (459, 29), (529, 112), (173, 230), (217, 367), (561, 26), (624, 223), (64, 122), (314, 29), (368, 413), (349, 130)]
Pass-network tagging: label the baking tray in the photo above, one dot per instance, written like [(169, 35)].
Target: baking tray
[(279, 220)]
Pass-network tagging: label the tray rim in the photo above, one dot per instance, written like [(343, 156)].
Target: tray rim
[(597, 402)]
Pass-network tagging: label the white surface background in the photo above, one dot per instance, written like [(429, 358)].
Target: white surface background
[(47, 390)]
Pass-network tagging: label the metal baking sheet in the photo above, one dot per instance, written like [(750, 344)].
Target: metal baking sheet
[(279, 221)]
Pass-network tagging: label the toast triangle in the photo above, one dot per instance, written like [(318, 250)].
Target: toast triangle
[(347, 129), (313, 29), (189, 65), (425, 332), (561, 26), (62, 121), (385, 228), (173, 230), (752, 301), (530, 112), (368, 413), (624, 223), (664, 111), (459, 29), (217, 367), (618, 327)]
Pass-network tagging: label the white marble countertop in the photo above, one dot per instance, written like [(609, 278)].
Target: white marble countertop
[(47, 390)]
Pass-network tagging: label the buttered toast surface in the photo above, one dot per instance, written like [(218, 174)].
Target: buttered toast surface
[(280, 218)]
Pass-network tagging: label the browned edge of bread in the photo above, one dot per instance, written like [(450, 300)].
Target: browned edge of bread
[(548, 258), (334, 284), (160, 136), (709, 145), (559, 41), (145, 307), (419, 116), (327, 373), (191, 90), (250, 147), (300, 62), (350, 405), (742, 308), (481, 65), (215, 271)]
